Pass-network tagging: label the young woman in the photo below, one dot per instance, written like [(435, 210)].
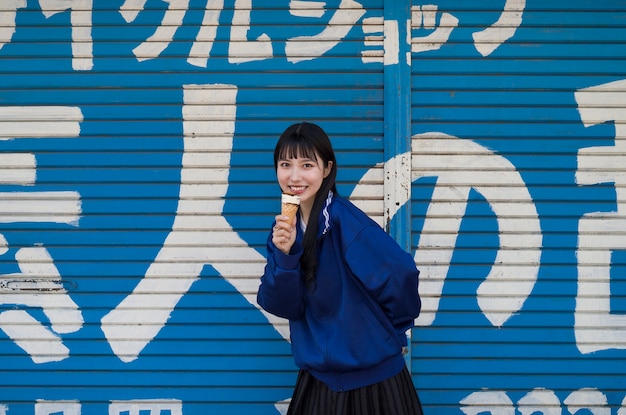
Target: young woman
[(347, 288)]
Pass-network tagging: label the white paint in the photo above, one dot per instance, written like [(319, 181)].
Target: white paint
[(38, 207), (396, 185), (81, 20), (282, 406), (301, 8), (391, 43), (39, 121), (131, 8), (184, 254), (302, 48), (72, 407), (622, 409), (41, 276), (299, 48), (17, 169), (540, 400), (489, 39), (164, 34), (408, 55), (516, 265), (601, 233), (37, 285), (494, 402), (368, 188), (7, 19), (202, 46), (4, 245), (42, 345), (20, 168), (587, 398), (373, 28), (240, 49), (424, 15), (146, 406), (428, 15), (44, 290)]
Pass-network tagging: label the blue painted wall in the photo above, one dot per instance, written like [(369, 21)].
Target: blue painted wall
[(136, 190)]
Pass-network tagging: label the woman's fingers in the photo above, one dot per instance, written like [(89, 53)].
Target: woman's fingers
[(283, 235)]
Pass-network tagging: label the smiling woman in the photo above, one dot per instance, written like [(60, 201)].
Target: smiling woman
[(342, 282)]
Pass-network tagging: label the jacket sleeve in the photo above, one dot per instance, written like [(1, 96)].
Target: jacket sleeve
[(389, 275), (281, 289)]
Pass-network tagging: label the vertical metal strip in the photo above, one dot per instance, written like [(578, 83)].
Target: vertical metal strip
[(397, 125)]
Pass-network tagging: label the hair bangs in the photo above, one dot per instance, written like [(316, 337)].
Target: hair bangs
[(297, 146)]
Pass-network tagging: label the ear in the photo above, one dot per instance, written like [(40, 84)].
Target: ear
[(328, 168)]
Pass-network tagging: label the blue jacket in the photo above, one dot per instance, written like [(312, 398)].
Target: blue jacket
[(341, 336)]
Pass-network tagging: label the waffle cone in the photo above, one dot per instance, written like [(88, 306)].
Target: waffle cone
[(289, 209), (289, 206)]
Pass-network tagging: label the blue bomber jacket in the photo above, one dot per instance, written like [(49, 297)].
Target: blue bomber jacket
[(349, 330)]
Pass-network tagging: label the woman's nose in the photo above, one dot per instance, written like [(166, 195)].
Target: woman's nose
[(295, 174)]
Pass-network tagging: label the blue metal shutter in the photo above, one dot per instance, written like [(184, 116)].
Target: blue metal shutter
[(518, 111), (138, 192)]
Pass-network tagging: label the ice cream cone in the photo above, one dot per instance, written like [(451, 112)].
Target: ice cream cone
[(289, 206)]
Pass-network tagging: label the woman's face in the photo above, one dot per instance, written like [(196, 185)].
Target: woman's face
[(302, 176)]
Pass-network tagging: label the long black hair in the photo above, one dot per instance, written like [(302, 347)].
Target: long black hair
[(308, 140)]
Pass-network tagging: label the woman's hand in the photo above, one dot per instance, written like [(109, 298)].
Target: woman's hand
[(284, 233)]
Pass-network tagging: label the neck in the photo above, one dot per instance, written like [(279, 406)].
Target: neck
[(305, 213)]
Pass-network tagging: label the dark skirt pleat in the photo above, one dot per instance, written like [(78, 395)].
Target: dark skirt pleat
[(394, 396)]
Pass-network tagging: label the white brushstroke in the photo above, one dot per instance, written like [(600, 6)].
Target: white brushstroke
[(429, 15), (146, 406), (81, 21), (38, 286), (131, 8), (301, 8), (302, 48), (373, 29), (622, 409), (184, 254), (38, 207), (7, 19), (20, 168), (516, 265), (42, 345), (424, 17), (539, 400), (391, 42), (489, 39), (202, 46), (587, 398), (39, 121), (493, 402), (600, 233), (240, 49), (65, 407), (282, 406), (17, 169), (164, 34)]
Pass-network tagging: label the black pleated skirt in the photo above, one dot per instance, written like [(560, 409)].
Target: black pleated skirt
[(394, 396)]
